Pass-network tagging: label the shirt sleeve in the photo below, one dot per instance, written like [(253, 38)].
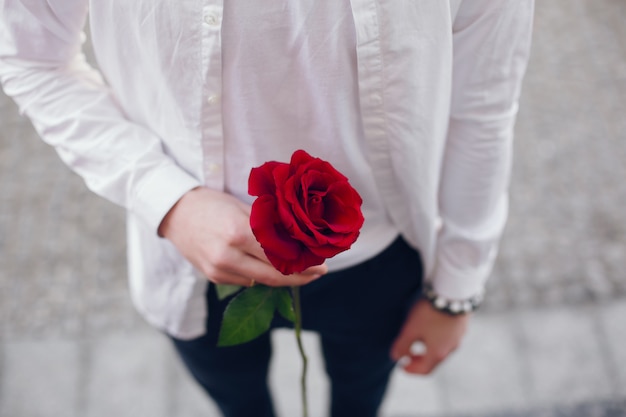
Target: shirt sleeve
[(44, 70), (491, 43)]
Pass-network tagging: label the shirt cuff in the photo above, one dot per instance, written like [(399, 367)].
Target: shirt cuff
[(454, 284), (158, 193)]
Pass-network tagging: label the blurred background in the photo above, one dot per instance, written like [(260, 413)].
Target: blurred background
[(550, 340)]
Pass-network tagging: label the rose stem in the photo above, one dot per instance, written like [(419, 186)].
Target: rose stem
[(298, 328)]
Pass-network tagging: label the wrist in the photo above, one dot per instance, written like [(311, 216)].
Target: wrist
[(166, 223)]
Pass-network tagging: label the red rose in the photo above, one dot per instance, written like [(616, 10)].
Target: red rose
[(306, 211)]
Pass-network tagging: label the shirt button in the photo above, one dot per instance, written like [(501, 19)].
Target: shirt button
[(214, 99), (212, 20), (213, 167)]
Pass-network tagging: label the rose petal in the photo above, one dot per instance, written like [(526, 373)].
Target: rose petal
[(261, 180), (342, 218), (322, 231), (293, 213), (302, 161), (328, 251), (305, 260), (286, 207), (346, 192), (315, 207), (270, 232), (311, 185), (299, 158), (286, 254)]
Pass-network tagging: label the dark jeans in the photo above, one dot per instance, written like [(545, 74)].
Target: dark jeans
[(357, 312)]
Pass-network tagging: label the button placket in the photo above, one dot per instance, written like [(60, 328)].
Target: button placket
[(212, 136)]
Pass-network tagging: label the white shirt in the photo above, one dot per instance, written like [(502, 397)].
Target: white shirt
[(438, 86)]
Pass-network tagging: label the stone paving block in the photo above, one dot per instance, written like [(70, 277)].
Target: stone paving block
[(285, 374), (410, 395), (611, 408), (189, 400), (568, 171), (613, 319), (39, 379), (564, 356), (485, 374), (128, 377)]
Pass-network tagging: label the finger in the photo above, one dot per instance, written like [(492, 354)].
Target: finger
[(238, 263), (272, 279), (231, 265), (253, 248), (222, 277), (246, 208), (246, 273), (316, 270), (402, 345), (422, 364), (277, 279)]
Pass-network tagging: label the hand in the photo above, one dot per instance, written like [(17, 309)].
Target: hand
[(439, 332), (212, 230)]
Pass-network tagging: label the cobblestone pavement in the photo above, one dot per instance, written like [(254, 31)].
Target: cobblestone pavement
[(549, 341)]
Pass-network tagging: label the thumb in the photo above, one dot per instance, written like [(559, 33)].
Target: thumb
[(246, 208), (321, 269), (402, 345)]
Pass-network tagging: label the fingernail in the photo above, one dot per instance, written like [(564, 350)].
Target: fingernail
[(403, 361)]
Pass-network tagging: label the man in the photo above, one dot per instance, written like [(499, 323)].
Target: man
[(414, 101)]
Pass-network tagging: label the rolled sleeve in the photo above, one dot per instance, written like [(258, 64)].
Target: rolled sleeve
[(43, 69), (491, 49), (159, 191)]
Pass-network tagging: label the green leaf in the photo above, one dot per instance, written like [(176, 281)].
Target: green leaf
[(284, 303), (225, 290), (247, 316)]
